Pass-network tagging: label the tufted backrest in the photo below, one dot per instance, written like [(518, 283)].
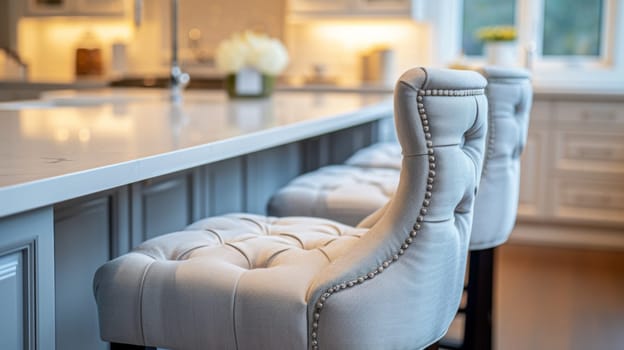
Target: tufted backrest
[(509, 94), (403, 280)]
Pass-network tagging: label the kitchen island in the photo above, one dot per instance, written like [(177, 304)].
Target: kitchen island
[(84, 177)]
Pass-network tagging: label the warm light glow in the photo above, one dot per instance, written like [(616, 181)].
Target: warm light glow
[(194, 34), (105, 32), (61, 135), (84, 135), (361, 35), (339, 46), (63, 124), (48, 45)]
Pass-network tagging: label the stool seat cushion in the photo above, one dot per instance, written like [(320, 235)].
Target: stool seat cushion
[(338, 192), (378, 155), (220, 266)]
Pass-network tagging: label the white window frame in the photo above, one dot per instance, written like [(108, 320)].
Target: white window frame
[(533, 30), (561, 72)]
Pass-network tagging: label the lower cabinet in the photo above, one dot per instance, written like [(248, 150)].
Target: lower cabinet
[(15, 299), (83, 231), (268, 171), (222, 189), (161, 205), (573, 172), (27, 281), (532, 199)]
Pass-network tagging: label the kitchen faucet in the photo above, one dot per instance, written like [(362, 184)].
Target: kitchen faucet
[(177, 78)]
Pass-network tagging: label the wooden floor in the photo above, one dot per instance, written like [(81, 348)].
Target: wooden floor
[(558, 298)]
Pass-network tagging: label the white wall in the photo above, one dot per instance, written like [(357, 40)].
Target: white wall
[(339, 44)]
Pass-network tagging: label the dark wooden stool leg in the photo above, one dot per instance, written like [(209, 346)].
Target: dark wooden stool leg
[(118, 346), (434, 346), (478, 326)]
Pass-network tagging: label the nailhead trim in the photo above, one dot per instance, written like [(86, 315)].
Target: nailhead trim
[(441, 92), (417, 226)]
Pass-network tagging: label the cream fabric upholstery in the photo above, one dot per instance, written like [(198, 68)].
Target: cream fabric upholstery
[(250, 282), (380, 155), (337, 192), (509, 96)]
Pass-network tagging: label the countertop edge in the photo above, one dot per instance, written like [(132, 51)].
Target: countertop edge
[(31, 195)]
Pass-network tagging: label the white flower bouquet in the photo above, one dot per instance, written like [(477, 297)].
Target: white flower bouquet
[(251, 62), (251, 50)]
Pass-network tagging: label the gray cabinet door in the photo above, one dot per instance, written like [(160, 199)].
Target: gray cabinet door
[(267, 171), (336, 147), (26, 281), (224, 187), (344, 143), (13, 301), (161, 205), (82, 239)]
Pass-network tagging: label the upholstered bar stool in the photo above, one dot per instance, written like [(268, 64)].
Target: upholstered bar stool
[(348, 193), (252, 282)]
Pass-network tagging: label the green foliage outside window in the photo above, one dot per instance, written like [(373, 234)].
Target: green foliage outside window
[(484, 13), (572, 27)]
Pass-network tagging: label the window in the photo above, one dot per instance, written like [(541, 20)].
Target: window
[(572, 28), (484, 13), (562, 29), (567, 44)]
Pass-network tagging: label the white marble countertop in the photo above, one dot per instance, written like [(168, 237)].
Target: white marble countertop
[(70, 144)]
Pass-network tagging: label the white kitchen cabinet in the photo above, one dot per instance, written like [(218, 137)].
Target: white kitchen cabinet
[(357, 8), (531, 201), (588, 154), (74, 7), (573, 169), (572, 183)]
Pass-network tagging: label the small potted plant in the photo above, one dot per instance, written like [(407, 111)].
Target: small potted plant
[(500, 44), (251, 62)]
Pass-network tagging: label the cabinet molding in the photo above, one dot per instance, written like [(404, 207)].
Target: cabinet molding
[(533, 176), (572, 173), (27, 287), (224, 187), (82, 242), (266, 172), (17, 297), (161, 205)]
